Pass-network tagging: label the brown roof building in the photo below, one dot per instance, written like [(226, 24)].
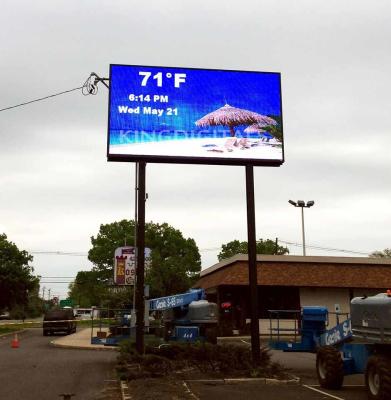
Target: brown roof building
[(290, 282)]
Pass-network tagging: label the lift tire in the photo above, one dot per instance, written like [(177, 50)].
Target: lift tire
[(329, 367), (378, 377), (211, 334)]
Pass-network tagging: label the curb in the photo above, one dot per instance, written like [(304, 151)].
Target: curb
[(4, 335), (70, 346), (266, 381)]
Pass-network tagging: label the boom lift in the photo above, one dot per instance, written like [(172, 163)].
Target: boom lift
[(186, 317), (360, 344)]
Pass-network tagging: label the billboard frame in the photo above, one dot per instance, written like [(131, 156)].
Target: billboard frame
[(186, 159)]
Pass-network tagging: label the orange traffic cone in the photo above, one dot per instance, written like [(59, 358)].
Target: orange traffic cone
[(15, 342)]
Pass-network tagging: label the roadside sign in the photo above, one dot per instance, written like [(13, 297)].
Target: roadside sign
[(66, 303), (125, 264)]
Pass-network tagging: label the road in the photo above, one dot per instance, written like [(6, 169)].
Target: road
[(39, 371)]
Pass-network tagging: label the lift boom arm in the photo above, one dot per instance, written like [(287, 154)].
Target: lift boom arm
[(178, 300)]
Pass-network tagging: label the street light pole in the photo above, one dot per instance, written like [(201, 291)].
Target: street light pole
[(302, 229), (302, 205)]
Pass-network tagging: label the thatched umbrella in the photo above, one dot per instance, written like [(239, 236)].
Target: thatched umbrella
[(231, 117)]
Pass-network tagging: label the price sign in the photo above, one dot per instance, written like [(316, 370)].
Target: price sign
[(125, 264)]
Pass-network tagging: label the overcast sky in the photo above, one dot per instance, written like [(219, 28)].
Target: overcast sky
[(56, 186)]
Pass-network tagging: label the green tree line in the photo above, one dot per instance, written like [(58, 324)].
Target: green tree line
[(19, 288)]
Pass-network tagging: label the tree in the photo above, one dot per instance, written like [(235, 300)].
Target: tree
[(88, 289), (275, 130), (386, 253), (16, 275), (175, 260), (267, 246)]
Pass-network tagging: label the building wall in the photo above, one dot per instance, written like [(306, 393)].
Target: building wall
[(309, 296), (264, 327), (327, 297), (366, 292)]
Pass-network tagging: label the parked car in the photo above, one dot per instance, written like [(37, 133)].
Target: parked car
[(4, 315), (59, 321), (86, 313)]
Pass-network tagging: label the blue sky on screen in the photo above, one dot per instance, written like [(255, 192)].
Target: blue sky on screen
[(203, 91)]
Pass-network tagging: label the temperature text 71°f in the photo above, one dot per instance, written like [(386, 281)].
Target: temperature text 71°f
[(159, 77)]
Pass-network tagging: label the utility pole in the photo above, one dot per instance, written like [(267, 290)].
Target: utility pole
[(49, 294), (43, 293)]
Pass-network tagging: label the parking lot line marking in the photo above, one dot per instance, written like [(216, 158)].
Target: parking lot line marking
[(320, 391), (187, 390), (345, 386)]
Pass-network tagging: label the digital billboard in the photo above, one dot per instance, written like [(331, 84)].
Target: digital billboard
[(188, 115)]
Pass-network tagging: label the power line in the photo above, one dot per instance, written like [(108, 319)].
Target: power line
[(41, 98), (80, 254), (60, 253), (89, 87), (210, 249), (316, 247)]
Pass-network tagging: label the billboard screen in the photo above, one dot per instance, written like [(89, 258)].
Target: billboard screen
[(186, 115)]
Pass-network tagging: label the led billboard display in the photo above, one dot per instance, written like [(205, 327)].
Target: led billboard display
[(185, 115)]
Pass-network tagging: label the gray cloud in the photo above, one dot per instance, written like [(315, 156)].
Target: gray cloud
[(56, 186)]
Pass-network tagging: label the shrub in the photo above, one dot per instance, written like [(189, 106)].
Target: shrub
[(156, 365), (207, 358)]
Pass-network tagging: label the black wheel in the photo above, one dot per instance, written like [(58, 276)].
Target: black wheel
[(329, 367), (211, 334), (45, 333), (378, 377)]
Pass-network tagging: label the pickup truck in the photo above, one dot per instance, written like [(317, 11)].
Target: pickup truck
[(59, 321)]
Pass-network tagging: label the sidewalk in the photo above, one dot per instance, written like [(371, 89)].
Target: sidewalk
[(80, 340)]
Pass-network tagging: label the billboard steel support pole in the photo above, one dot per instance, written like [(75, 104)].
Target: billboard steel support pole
[(140, 304), (252, 265), (135, 240)]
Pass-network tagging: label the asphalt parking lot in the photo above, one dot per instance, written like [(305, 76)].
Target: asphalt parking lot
[(256, 390), (301, 365)]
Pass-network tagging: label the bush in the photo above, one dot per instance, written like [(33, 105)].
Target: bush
[(156, 365), (207, 358), (128, 352)]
